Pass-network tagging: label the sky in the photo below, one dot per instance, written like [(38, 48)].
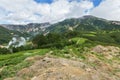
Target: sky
[(40, 11), (95, 2)]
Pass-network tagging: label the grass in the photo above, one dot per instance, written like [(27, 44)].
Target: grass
[(12, 63), (11, 70), (69, 52), (20, 56), (102, 58), (79, 40), (92, 35)]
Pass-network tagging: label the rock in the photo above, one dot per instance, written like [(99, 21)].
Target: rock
[(108, 52), (99, 49), (52, 68), (35, 58)]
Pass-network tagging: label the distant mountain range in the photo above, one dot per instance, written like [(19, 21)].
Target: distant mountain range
[(33, 28), (85, 23)]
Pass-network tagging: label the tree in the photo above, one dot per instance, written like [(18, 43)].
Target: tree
[(53, 38), (39, 40)]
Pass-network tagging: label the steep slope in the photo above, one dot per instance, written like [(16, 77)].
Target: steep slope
[(6, 34), (85, 23)]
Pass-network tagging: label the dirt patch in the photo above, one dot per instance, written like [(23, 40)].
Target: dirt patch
[(52, 68), (108, 51)]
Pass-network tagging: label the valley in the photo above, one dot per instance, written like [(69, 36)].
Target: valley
[(85, 48)]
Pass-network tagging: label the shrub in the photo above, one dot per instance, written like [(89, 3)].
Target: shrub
[(4, 51)]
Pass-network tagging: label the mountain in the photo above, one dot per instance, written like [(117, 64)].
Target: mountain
[(7, 31), (85, 23), (6, 34), (32, 28), (85, 55)]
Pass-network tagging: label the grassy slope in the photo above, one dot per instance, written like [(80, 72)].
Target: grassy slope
[(12, 63)]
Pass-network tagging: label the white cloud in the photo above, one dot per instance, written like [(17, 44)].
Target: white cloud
[(108, 9), (25, 11), (22, 11)]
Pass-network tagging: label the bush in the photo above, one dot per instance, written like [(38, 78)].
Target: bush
[(48, 41), (4, 51)]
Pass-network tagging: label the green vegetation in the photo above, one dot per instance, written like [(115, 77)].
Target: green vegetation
[(89, 23), (78, 41), (11, 59), (11, 70), (4, 51), (11, 63), (6, 35), (49, 41), (59, 41), (75, 44)]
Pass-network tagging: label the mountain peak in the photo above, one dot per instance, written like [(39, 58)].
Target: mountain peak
[(89, 16)]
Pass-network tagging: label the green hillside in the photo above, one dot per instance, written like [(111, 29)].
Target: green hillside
[(85, 48), (85, 23), (55, 62), (6, 35)]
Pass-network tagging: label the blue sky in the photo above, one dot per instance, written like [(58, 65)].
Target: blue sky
[(95, 2), (44, 1), (39, 11)]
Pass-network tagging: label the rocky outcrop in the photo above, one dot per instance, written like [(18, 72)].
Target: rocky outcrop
[(108, 51), (54, 68)]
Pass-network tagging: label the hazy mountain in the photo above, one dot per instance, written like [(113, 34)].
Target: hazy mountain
[(85, 23), (33, 28)]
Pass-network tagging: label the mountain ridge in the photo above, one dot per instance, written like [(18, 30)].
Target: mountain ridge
[(87, 22), (29, 28)]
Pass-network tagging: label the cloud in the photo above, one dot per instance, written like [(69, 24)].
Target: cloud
[(29, 11), (108, 9), (26, 11)]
